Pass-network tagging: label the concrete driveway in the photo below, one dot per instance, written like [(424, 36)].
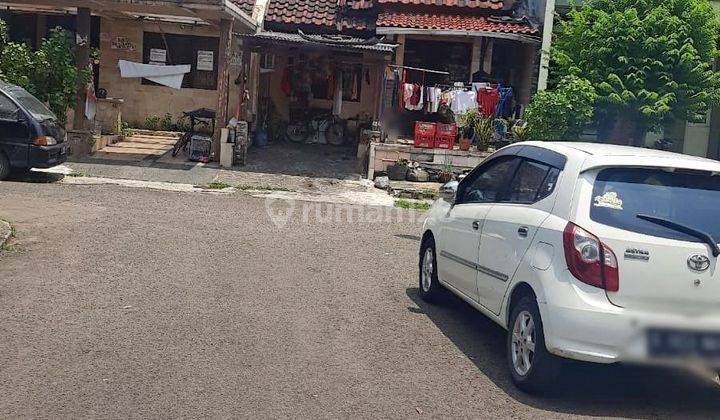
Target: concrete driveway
[(131, 303)]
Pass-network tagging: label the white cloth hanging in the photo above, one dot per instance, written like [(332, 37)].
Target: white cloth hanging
[(338, 94), (434, 95), (170, 76), (462, 101)]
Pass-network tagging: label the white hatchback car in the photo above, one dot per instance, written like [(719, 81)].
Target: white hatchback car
[(591, 252)]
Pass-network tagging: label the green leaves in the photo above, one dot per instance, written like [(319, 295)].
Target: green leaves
[(649, 59), (561, 114), (49, 73)]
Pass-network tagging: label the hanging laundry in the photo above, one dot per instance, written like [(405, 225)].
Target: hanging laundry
[(488, 98), (396, 96), (434, 95), (413, 97), (331, 82), (170, 76), (462, 101), (505, 103), (354, 87), (285, 85)]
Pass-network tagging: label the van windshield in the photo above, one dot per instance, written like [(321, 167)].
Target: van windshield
[(36, 108), (689, 198)]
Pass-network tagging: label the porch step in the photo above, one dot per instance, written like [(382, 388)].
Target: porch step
[(151, 140), (119, 148), (143, 145)]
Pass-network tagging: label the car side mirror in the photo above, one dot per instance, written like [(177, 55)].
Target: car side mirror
[(448, 192)]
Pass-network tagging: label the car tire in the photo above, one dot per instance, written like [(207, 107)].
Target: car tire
[(533, 369), (4, 166), (429, 285)]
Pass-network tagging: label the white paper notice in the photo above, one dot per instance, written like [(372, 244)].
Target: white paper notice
[(205, 60), (158, 56)]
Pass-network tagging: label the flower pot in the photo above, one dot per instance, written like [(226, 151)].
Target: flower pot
[(446, 177), (465, 144)]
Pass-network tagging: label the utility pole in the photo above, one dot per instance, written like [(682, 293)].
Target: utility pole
[(546, 43)]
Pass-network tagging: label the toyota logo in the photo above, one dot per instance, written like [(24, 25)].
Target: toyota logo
[(698, 263)]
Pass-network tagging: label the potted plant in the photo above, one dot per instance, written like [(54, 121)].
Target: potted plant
[(466, 123), (484, 130), (398, 170), (446, 175), (520, 131)]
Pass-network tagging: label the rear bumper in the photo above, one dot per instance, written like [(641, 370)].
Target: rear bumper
[(584, 325), (47, 156)]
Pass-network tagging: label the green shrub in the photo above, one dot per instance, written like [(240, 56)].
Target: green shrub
[(166, 124), (49, 73), (561, 114), (152, 122)]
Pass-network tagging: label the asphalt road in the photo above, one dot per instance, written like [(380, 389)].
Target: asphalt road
[(131, 303)]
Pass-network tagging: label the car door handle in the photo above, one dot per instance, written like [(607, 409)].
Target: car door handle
[(523, 231), (476, 225)]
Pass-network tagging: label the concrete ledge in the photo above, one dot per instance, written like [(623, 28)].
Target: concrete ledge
[(5, 232)]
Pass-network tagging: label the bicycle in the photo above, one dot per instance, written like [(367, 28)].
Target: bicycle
[(323, 127), (199, 118)]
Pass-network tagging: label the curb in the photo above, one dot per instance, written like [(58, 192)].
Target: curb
[(5, 232)]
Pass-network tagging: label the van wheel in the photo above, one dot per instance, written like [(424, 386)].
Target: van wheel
[(532, 368), (430, 287), (4, 166)]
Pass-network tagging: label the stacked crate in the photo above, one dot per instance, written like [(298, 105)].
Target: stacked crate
[(425, 134), (445, 136)]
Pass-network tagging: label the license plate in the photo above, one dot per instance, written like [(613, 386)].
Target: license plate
[(685, 344)]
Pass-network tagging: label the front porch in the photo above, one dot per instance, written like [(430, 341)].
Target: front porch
[(195, 33)]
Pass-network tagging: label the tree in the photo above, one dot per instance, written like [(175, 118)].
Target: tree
[(56, 79), (49, 73), (650, 60), (561, 114)]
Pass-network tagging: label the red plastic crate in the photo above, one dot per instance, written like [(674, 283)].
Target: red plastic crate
[(445, 137), (425, 128), (425, 134), (444, 142), (426, 142)]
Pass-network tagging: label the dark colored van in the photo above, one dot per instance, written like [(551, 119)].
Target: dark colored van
[(30, 134)]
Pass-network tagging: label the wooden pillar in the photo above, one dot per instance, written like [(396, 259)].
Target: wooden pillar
[(40, 28), (400, 50), (223, 83), (82, 63), (476, 63)]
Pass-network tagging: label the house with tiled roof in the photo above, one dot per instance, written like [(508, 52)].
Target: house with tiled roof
[(449, 40), (193, 33)]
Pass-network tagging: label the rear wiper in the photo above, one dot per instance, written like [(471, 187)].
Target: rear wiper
[(704, 236)]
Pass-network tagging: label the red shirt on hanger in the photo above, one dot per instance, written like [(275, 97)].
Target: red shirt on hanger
[(487, 99)]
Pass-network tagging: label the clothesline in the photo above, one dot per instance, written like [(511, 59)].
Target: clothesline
[(419, 69), (487, 99)]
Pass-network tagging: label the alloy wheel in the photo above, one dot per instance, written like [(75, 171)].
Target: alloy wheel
[(427, 270), (523, 343)]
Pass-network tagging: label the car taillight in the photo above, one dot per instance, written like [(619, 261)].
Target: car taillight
[(589, 260), (44, 141)]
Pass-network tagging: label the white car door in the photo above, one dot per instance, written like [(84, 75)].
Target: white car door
[(460, 231), (510, 227)]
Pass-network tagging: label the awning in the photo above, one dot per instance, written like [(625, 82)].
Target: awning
[(347, 44), (458, 25)]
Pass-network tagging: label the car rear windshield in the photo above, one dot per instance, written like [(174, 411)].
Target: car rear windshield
[(689, 198), (32, 104)]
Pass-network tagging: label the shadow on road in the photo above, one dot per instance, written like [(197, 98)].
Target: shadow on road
[(34, 177), (409, 237), (584, 388)]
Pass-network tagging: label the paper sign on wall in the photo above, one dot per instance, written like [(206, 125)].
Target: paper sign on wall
[(158, 56), (205, 60)]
